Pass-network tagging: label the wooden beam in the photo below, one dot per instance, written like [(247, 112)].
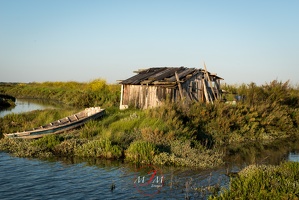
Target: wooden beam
[(145, 82), (210, 83), (179, 84), (205, 91), (182, 73), (164, 83)]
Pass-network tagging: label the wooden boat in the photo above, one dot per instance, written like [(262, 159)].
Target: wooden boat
[(60, 125)]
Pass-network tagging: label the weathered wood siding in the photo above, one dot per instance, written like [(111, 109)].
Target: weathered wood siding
[(144, 96), (148, 96)]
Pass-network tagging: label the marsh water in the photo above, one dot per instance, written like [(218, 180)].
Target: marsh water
[(26, 105), (71, 178)]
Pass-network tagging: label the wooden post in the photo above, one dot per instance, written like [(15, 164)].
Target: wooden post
[(202, 91), (210, 83), (179, 85), (146, 98), (121, 105), (217, 83), (205, 91)]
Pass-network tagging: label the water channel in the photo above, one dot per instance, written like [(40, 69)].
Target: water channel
[(70, 178), (26, 105)]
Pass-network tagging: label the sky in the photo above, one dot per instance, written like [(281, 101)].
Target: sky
[(82, 40)]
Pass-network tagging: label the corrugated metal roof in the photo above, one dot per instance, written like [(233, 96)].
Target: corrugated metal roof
[(162, 75)]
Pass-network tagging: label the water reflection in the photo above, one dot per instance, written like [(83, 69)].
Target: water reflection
[(272, 153), (178, 183), (294, 156), (26, 105)]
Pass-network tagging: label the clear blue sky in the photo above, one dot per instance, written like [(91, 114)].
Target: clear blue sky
[(68, 40)]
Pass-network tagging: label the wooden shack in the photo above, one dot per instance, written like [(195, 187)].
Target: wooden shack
[(150, 87)]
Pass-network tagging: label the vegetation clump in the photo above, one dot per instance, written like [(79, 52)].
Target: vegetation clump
[(141, 152), (264, 182), (99, 148)]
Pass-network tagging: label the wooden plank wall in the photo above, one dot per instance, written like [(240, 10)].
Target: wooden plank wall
[(144, 96)]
